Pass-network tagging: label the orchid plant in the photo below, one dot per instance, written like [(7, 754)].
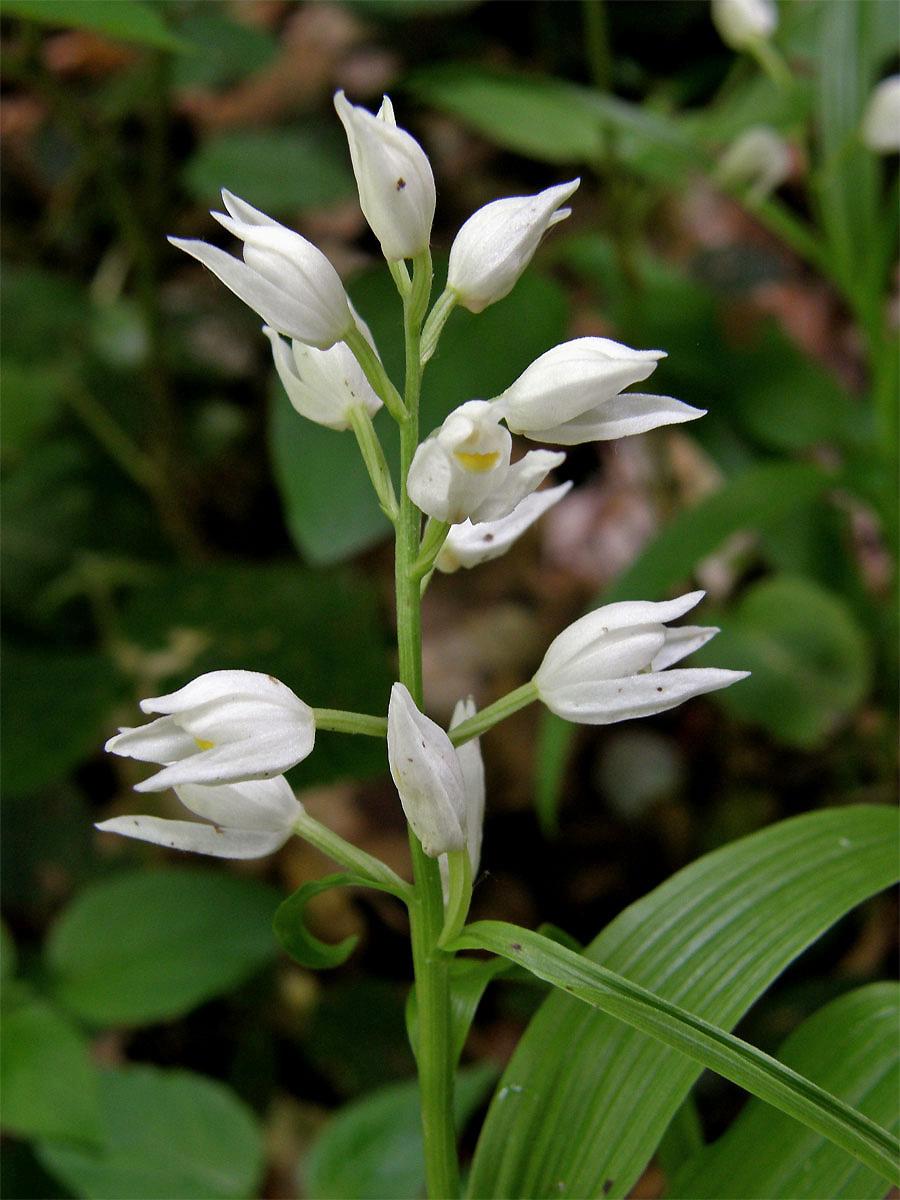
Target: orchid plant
[(225, 740)]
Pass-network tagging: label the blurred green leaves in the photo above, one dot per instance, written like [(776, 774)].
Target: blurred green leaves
[(809, 658), (128, 20), (165, 1133), (152, 945)]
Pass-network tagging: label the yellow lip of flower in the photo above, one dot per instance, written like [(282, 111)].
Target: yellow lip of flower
[(204, 745), (477, 463)]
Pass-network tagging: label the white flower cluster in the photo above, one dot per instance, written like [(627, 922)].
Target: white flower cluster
[(225, 739)]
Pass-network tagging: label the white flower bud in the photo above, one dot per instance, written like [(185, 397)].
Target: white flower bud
[(223, 727), (497, 243), (322, 385), (248, 820), (394, 178), (880, 127), (742, 22), (463, 470), (611, 664), (468, 545), (283, 277), (573, 394), (759, 160), (427, 772)]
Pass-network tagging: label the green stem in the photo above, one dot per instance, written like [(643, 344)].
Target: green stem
[(437, 319), (430, 964), (374, 371), (432, 541), (376, 463), (488, 717), (350, 856), (339, 721)]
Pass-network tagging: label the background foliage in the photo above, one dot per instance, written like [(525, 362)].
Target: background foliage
[(165, 512)]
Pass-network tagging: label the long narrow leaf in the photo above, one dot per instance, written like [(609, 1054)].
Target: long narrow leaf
[(713, 1048), (586, 1099)]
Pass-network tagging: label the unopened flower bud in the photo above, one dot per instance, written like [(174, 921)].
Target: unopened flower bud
[(881, 121), (742, 22), (394, 178), (427, 772), (322, 385), (496, 244)]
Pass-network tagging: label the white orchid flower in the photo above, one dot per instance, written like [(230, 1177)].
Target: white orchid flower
[(223, 727), (573, 394), (463, 470), (248, 820), (322, 385), (611, 665), (497, 243), (472, 767), (283, 277), (394, 178), (759, 160)]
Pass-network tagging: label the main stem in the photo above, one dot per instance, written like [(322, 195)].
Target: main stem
[(430, 965)]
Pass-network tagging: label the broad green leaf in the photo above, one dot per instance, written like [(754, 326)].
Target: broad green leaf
[(48, 1081), (56, 707), (850, 1048), (320, 633), (540, 118), (277, 170), (585, 1100), (44, 315), (330, 507), (295, 938), (166, 1133), (32, 396), (372, 1148), (710, 1046), (809, 659), (124, 20), (153, 944)]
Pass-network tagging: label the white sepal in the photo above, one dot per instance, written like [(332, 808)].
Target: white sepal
[(427, 772), (610, 665), (322, 385), (394, 178), (248, 820), (223, 727), (467, 545), (283, 277), (497, 242), (472, 765)]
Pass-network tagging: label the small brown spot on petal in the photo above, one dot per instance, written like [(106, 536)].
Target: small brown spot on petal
[(401, 184)]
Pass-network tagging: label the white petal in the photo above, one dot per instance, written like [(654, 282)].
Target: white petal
[(467, 545), (680, 642), (519, 481), (201, 839), (603, 702), (258, 757), (267, 805), (881, 121), (426, 770), (623, 415), (472, 766), (161, 741)]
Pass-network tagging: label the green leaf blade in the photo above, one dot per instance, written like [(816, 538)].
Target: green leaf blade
[(850, 1048), (150, 945), (710, 939)]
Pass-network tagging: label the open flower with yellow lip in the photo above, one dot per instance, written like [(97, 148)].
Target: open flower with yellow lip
[(463, 470), (246, 820), (222, 727)]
